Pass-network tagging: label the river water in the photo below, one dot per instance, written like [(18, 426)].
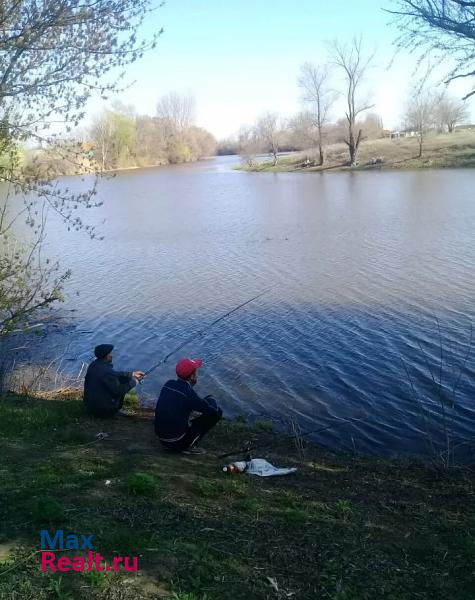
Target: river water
[(371, 277)]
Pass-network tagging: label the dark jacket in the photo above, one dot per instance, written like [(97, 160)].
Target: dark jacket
[(104, 388), (176, 402)]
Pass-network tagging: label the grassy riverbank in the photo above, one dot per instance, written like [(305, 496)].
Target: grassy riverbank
[(343, 527), (440, 151)]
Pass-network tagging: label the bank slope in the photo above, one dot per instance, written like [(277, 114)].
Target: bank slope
[(344, 527)]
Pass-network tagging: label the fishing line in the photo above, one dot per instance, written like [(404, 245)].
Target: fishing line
[(204, 330)]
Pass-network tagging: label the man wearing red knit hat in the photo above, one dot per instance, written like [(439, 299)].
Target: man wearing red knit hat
[(175, 404)]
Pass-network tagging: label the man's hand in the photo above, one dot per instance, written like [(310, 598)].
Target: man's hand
[(138, 375)]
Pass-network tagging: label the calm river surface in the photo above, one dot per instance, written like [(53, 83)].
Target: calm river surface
[(362, 267)]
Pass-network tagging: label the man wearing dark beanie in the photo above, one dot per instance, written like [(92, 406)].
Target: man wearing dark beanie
[(104, 388)]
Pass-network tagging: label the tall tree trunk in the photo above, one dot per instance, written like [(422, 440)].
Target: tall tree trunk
[(320, 146), (103, 155), (353, 145), (321, 156)]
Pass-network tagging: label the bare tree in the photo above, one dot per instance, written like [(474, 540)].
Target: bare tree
[(178, 109), (248, 144), (443, 29), (450, 112), (202, 143), (420, 112), (372, 126), (268, 132), (102, 134), (303, 133), (354, 64), (314, 82)]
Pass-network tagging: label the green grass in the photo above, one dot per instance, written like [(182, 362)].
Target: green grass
[(131, 400), (47, 511), (142, 484), (343, 527)]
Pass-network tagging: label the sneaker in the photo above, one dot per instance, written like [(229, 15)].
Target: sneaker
[(193, 450)]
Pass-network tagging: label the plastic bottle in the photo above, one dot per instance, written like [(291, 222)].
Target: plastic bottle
[(236, 467)]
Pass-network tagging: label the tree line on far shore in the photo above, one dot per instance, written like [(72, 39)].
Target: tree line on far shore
[(426, 109), (119, 138)]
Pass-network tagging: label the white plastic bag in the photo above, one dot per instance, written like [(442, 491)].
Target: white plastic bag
[(259, 466)]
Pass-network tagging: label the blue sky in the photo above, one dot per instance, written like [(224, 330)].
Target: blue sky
[(242, 58)]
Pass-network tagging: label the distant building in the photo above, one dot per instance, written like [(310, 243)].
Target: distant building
[(402, 133)]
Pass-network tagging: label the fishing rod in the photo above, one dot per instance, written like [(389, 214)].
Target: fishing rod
[(248, 447), (204, 330)]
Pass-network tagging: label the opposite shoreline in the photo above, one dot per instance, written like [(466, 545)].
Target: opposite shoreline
[(443, 151)]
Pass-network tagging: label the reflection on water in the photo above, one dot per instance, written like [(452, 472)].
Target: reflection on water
[(361, 267)]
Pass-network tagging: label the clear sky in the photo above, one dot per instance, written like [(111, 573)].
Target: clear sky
[(242, 58)]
